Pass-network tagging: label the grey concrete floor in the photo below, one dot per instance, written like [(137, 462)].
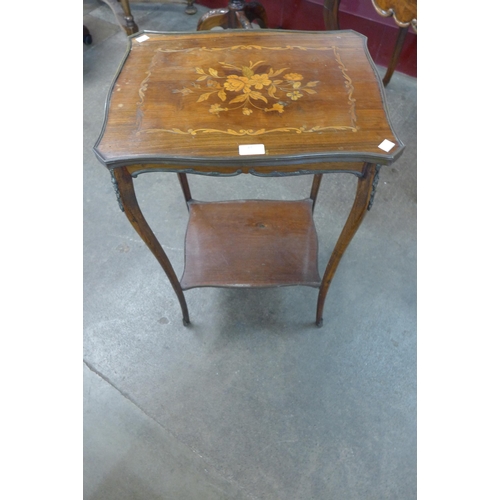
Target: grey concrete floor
[(252, 401)]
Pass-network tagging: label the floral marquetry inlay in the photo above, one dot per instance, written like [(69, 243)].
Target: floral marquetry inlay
[(263, 102), (246, 87), (246, 90)]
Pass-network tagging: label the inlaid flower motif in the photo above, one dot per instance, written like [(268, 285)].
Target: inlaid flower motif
[(294, 95), (235, 83), (259, 81), (243, 86), (277, 107), (215, 109), (294, 77)]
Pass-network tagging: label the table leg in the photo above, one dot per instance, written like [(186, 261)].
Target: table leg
[(191, 9), (395, 55), (358, 211), (255, 12), (126, 191), (185, 187), (331, 14), (315, 188), (130, 26), (123, 15), (237, 14)]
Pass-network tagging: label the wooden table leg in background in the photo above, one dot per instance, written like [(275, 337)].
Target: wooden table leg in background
[(409, 11), (185, 187), (123, 15), (191, 9), (331, 14), (315, 188), (238, 14), (402, 32), (126, 192), (364, 192)]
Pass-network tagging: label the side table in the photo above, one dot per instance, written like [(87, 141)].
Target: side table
[(261, 102)]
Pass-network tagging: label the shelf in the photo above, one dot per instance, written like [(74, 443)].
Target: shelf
[(251, 243)]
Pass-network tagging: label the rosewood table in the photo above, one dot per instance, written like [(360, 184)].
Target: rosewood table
[(261, 102)]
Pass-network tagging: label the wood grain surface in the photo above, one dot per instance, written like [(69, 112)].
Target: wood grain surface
[(193, 99), (251, 243)]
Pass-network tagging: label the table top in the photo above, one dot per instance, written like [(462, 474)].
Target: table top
[(404, 12), (246, 98)]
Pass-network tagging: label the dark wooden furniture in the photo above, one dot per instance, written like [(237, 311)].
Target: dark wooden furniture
[(124, 17), (404, 13), (237, 14), (260, 102), (358, 15)]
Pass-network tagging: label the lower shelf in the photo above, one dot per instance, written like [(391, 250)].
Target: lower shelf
[(251, 243)]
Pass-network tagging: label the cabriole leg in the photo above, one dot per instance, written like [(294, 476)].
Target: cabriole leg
[(358, 211), (125, 189)]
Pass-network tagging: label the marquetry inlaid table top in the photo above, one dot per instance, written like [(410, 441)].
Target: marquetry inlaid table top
[(293, 98)]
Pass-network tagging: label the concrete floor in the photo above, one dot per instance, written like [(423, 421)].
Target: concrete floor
[(252, 401)]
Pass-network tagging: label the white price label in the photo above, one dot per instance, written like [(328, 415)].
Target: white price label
[(386, 145), (252, 149), (142, 38)]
